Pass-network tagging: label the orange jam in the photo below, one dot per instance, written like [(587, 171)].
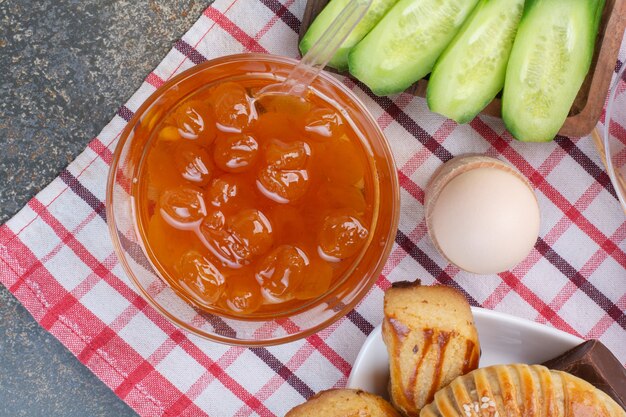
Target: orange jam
[(254, 206)]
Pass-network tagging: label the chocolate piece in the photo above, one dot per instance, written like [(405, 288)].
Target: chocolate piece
[(594, 362)]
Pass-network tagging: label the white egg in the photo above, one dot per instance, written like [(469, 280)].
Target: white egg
[(482, 215)]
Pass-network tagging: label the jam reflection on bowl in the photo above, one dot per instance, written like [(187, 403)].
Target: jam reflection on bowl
[(252, 210)]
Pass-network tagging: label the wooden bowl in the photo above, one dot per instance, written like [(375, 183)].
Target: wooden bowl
[(589, 102)]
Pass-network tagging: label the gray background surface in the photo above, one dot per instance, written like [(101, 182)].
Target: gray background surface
[(65, 68)]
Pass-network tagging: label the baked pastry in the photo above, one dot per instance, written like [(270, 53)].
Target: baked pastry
[(521, 391), (344, 403), (431, 339)]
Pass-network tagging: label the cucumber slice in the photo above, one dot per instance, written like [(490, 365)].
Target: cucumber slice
[(550, 58), (470, 72), (405, 44), (376, 11)]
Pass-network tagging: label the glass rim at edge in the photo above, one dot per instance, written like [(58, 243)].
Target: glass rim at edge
[(607, 138)]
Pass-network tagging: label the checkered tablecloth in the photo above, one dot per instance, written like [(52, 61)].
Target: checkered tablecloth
[(57, 258)]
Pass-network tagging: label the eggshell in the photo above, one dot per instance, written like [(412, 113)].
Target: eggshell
[(482, 214)]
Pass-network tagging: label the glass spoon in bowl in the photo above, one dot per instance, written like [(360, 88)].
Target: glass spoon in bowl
[(303, 74)]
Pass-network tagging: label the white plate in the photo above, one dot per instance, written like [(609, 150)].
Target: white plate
[(503, 339)]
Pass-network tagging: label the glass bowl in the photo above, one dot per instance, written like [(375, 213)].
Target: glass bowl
[(614, 136), (267, 329)]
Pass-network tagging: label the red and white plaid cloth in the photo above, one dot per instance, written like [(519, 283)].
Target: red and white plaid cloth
[(58, 260)]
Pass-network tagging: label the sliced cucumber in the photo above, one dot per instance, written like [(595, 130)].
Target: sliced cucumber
[(548, 64), (470, 72), (405, 44), (375, 12)]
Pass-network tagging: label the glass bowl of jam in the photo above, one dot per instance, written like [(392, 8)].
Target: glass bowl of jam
[(252, 221)]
